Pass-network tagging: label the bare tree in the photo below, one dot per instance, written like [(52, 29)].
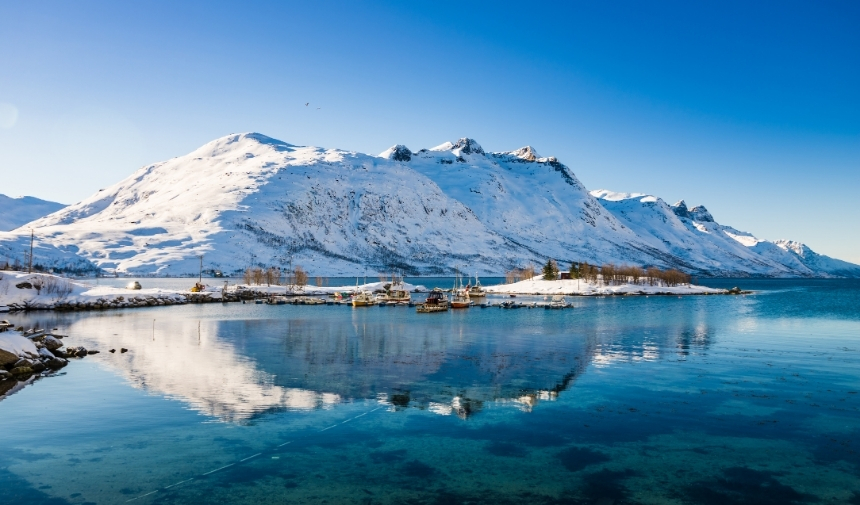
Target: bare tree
[(257, 275), (301, 276), (38, 283)]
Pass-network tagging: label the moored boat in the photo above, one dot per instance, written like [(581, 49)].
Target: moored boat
[(395, 297), (477, 291), (436, 302), (363, 299), (461, 299), (558, 302)]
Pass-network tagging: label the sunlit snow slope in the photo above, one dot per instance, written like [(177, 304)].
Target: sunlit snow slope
[(247, 199)]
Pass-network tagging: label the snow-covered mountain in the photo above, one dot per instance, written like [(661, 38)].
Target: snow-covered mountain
[(247, 199), (15, 212)]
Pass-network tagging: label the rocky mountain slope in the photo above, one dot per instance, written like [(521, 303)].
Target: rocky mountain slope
[(247, 199)]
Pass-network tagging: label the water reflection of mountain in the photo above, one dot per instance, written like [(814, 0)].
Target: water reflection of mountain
[(448, 368), (237, 368)]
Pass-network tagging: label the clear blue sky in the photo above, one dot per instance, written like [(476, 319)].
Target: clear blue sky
[(750, 108)]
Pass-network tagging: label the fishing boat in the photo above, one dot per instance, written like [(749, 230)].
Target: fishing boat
[(477, 291), (307, 300), (363, 299), (395, 297), (461, 299), (557, 302), (436, 302)]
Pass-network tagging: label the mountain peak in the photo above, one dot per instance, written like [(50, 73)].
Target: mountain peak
[(238, 141), (526, 153), (468, 146), (701, 214), (397, 153), (680, 209)]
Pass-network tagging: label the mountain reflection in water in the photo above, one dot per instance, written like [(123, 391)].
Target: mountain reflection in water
[(234, 363)]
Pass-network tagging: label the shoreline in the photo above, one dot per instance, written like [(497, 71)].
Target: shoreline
[(22, 292)]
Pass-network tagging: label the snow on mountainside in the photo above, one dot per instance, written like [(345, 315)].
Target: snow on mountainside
[(251, 200), (693, 234), (247, 199), (15, 212)]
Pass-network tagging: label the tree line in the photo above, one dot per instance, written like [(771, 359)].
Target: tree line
[(272, 276), (612, 274)]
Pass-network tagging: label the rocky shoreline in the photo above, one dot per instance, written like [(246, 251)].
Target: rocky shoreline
[(27, 355), (138, 301)]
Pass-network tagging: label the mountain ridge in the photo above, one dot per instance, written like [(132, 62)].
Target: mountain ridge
[(16, 212), (251, 200)]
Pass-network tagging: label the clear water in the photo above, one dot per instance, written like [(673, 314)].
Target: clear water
[(713, 400)]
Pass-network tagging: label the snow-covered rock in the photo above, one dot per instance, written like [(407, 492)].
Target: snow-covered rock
[(250, 200), (14, 346)]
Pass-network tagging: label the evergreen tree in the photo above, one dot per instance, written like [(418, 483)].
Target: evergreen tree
[(574, 271), (550, 270)]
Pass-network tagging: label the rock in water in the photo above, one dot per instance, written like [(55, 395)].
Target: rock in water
[(57, 363), (22, 370), (52, 342)]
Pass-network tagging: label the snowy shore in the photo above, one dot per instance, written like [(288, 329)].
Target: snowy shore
[(538, 286), (38, 291)]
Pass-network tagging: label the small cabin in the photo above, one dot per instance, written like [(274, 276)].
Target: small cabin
[(564, 276)]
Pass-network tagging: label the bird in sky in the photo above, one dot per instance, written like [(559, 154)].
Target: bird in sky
[(306, 104)]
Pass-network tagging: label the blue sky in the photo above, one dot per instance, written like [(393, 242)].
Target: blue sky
[(750, 108)]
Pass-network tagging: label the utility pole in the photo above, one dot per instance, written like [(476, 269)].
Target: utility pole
[(200, 279), (30, 266)]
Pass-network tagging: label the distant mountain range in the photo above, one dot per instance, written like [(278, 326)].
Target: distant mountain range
[(15, 212), (247, 199)]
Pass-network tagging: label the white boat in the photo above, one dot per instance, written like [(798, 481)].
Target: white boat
[(395, 297), (477, 291), (558, 302)]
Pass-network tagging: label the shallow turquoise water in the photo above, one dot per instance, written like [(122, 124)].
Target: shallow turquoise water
[(717, 399)]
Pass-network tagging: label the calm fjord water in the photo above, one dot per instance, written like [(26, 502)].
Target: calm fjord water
[(712, 400)]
